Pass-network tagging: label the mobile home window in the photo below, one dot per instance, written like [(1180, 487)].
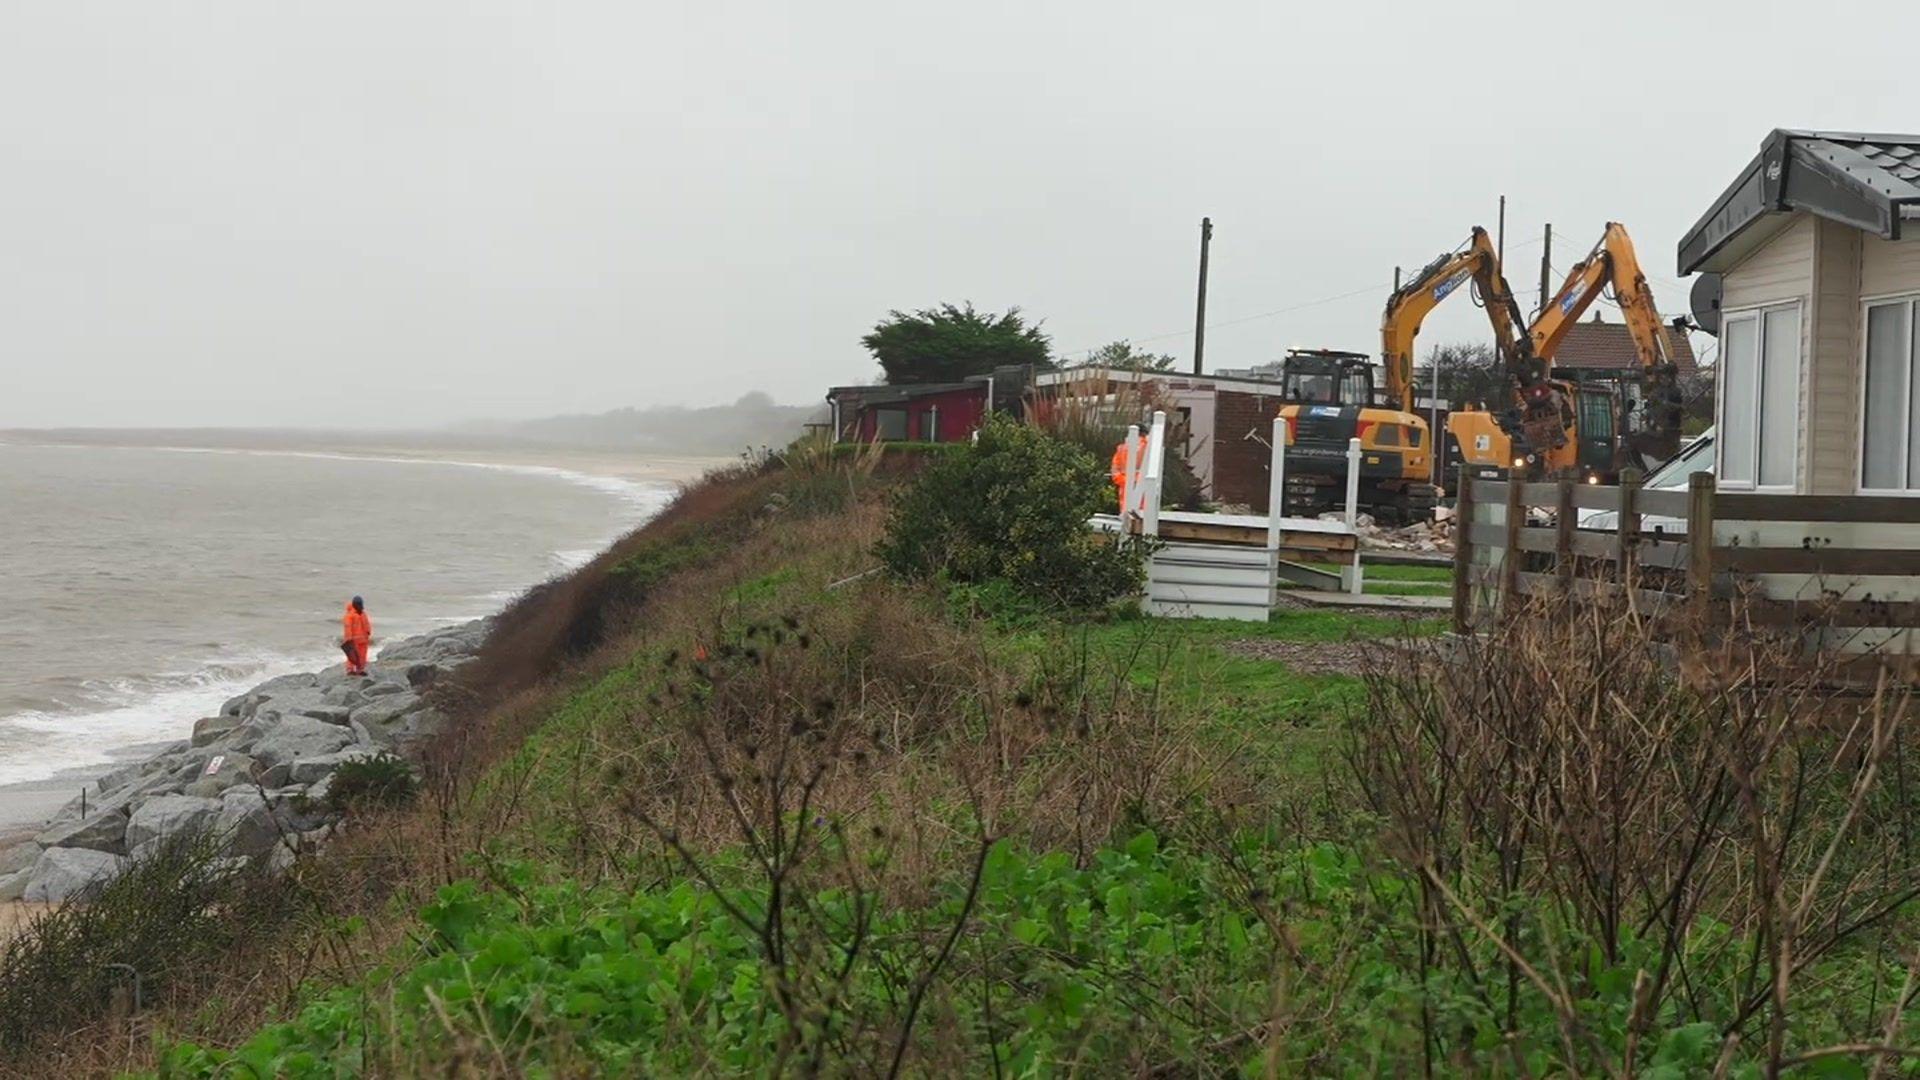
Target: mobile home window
[(1889, 449), (1759, 398), (890, 425)]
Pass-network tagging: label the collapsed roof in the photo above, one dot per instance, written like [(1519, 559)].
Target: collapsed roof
[(1871, 182)]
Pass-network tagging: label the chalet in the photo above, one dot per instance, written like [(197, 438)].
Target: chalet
[(1811, 276), (924, 412), (1219, 424)]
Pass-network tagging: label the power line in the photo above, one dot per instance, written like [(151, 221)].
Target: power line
[(1243, 319)]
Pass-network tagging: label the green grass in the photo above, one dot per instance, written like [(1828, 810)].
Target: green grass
[(1393, 579), (1281, 725)]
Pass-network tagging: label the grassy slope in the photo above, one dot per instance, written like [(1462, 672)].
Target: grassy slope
[(1035, 847), (573, 942)]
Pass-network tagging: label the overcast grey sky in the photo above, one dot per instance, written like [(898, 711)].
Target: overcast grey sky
[(247, 213)]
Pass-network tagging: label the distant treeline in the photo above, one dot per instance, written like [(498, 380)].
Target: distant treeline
[(752, 421)]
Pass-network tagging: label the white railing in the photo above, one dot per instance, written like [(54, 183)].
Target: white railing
[(1145, 479)]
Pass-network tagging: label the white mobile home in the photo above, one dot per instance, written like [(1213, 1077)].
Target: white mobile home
[(1814, 254)]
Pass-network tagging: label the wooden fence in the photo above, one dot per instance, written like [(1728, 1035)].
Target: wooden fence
[(1845, 566)]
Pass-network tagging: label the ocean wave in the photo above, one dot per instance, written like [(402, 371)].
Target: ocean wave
[(36, 744), (109, 714), (650, 496)]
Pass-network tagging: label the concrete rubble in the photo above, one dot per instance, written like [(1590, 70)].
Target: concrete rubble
[(1433, 537), (254, 775)]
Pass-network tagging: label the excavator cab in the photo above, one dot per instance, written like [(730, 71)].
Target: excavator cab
[(1326, 377), (1595, 445), (1328, 399)]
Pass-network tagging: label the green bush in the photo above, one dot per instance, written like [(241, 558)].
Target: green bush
[(381, 780), (1013, 508)]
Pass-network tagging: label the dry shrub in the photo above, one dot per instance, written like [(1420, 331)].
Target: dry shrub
[(116, 947), (864, 755), (1092, 410), (1639, 837)]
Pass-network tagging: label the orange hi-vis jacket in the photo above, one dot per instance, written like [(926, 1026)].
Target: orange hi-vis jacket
[(356, 627), (1118, 471)]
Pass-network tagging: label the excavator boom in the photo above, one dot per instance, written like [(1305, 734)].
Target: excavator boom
[(1613, 263), (1477, 261)]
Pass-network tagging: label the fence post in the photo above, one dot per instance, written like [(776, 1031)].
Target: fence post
[(1155, 472), (1132, 474), (1700, 489), (1354, 583), (1626, 531), (1277, 483), (1510, 555), (1564, 519), (1463, 553)]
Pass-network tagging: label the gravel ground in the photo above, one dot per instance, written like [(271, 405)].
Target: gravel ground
[(1314, 657)]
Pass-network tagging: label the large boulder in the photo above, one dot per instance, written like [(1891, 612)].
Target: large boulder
[(250, 823), (345, 695), (425, 724), (19, 857), (16, 869), (300, 737), (126, 774), (244, 704), (60, 872), (221, 772), (307, 702), (165, 815), (382, 712), (212, 729), (104, 828), (14, 884), (310, 770)]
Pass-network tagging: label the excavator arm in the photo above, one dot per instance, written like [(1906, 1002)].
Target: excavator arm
[(1612, 263), (1477, 261)]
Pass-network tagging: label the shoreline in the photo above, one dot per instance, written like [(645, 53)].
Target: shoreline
[(26, 806), (598, 462), (256, 773)]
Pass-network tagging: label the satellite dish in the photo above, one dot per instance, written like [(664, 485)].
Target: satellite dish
[(1705, 302)]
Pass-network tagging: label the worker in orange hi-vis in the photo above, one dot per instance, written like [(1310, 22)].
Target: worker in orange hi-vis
[(1119, 468), (356, 633)]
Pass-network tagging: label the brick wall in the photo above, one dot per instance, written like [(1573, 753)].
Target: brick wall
[(1240, 464)]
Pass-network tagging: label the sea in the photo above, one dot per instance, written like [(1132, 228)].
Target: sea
[(141, 587)]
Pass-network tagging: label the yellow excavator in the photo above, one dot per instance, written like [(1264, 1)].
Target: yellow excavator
[(1330, 397), (1558, 428)]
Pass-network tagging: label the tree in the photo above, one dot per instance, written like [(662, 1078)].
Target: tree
[(1469, 371), (1696, 396), (948, 343), (1122, 356)]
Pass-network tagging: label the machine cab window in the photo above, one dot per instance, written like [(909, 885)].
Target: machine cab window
[(1327, 377)]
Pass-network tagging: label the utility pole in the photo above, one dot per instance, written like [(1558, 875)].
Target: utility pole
[(1500, 243), (1546, 264), (1200, 310)]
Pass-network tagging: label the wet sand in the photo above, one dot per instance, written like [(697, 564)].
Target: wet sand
[(25, 807)]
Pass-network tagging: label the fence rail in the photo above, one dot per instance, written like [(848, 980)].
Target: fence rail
[(1845, 566)]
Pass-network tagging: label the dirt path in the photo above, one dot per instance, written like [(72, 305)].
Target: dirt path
[(1309, 657)]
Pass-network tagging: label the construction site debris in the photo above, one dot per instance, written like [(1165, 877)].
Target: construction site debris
[(1434, 536)]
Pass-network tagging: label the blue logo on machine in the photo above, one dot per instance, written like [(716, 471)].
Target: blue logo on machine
[(1324, 410), (1566, 305), (1441, 291)]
